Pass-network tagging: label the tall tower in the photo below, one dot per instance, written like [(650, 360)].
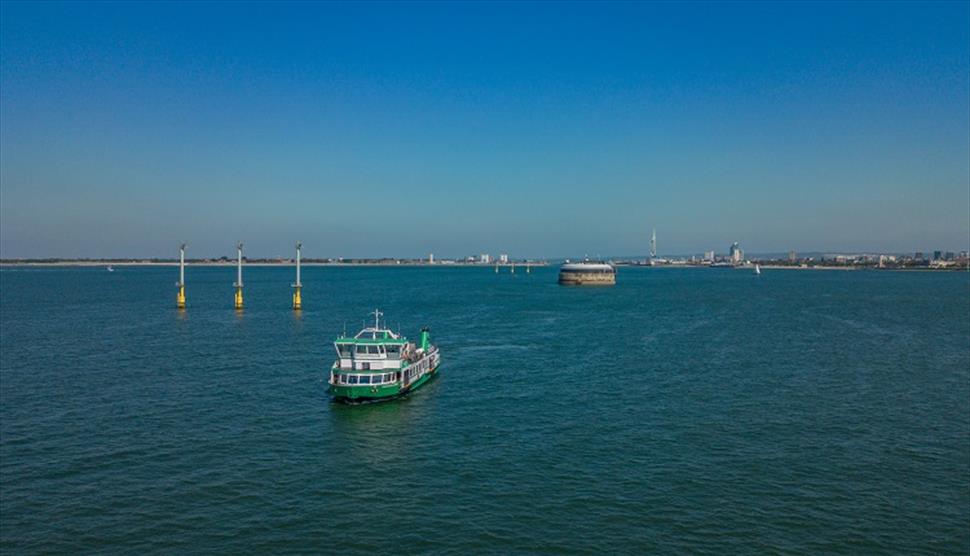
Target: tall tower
[(653, 244), (180, 296), (239, 283), (735, 253), (297, 286)]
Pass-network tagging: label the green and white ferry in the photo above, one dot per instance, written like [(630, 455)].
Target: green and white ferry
[(379, 365)]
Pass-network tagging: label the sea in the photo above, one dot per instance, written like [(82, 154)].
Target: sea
[(691, 411)]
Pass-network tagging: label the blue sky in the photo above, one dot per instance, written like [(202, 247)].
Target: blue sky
[(546, 129)]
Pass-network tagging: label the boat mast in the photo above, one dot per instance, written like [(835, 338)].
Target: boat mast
[(377, 319)]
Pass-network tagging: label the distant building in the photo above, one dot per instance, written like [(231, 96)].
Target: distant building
[(431, 258), (736, 254), (937, 255), (708, 255), (792, 257), (484, 258), (503, 258), (918, 256), (948, 255)]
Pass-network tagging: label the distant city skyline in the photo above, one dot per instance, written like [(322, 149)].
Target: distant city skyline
[(540, 130)]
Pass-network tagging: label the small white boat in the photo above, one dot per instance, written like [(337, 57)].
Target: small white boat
[(757, 269), (110, 269)]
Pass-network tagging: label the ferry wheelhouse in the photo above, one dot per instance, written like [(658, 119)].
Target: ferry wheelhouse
[(376, 364)]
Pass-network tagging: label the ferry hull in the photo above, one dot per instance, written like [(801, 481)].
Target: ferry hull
[(374, 394)]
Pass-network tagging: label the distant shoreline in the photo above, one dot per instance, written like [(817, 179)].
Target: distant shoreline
[(400, 264), (260, 263)]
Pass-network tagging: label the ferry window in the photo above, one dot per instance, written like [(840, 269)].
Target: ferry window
[(344, 349), (364, 379), (353, 379), (361, 349), (389, 377), (372, 349), (393, 350), (365, 366), (376, 379)]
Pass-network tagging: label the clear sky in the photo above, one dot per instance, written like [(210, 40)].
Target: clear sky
[(547, 129)]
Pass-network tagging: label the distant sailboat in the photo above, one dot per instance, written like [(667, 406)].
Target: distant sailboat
[(757, 270), (110, 269)]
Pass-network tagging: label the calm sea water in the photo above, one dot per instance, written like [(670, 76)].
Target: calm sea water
[(688, 410)]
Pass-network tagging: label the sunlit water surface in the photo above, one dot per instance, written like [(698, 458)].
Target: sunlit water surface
[(684, 410)]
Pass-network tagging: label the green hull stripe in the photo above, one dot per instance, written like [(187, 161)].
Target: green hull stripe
[(378, 392)]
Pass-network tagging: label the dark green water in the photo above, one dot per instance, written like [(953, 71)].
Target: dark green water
[(681, 411)]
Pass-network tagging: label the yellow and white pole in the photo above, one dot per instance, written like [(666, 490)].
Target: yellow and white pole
[(297, 302), (239, 283), (180, 296)]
